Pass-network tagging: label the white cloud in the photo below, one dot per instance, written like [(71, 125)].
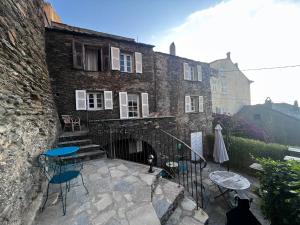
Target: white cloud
[(258, 33)]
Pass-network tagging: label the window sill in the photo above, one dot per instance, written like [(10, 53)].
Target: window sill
[(193, 80), (193, 112)]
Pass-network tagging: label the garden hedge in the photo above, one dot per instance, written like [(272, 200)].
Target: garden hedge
[(241, 151)]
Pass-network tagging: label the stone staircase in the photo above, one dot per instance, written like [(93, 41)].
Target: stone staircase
[(87, 151), (175, 207)]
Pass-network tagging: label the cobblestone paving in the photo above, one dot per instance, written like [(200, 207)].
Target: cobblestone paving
[(119, 194)]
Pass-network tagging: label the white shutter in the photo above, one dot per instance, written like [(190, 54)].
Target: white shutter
[(201, 104), (145, 105), (199, 71), (186, 71), (108, 100), (123, 101), (187, 104), (115, 58), (138, 62), (80, 96)]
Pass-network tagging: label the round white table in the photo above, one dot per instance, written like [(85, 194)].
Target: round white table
[(229, 181)]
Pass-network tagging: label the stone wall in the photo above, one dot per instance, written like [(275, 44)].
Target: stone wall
[(61, 70), (171, 91), (28, 120)]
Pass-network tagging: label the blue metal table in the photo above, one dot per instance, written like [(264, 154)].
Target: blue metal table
[(60, 152)]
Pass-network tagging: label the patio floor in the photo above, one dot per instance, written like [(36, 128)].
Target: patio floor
[(119, 193), (217, 208)]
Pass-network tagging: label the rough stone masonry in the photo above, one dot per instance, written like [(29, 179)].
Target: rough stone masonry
[(28, 119)]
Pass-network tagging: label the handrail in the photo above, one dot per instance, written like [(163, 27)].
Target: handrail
[(196, 153)]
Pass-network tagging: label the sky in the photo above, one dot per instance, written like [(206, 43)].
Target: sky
[(258, 33)]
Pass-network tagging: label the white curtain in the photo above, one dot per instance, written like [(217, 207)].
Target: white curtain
[(91, 59)]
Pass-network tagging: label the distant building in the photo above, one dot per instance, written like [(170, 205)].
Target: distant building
[(230, 88), (280, 120)]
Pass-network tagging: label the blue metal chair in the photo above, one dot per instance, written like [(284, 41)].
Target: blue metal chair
[(60, 172)]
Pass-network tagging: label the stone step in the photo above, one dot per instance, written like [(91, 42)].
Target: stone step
[(75, 143), (166, 197), (72, 136), (89, 148), (293, 151), (187, 213), (87, 155)]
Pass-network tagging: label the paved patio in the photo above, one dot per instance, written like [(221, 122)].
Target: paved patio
[(119, 193), (217, 208)]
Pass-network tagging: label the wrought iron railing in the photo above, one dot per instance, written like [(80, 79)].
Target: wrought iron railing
[(135, 143)]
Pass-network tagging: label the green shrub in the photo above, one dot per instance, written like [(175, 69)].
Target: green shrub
[(241, 151), (280, 189)]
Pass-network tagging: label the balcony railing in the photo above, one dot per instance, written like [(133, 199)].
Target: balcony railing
[(135, 143)]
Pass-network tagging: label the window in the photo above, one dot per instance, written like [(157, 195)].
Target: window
[(125, 63), (95, 101), (92, 56), (191, 73), (89, 57), (223, 86), (214, 85), (194, 103), (133, 106)]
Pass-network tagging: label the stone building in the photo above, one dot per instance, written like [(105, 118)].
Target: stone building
[(230, 88), (28, 118), (280, 120), (183, 87), (99, 76)]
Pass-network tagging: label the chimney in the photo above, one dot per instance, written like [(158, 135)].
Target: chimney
[(172, 49), (237, 65), (228, 55)]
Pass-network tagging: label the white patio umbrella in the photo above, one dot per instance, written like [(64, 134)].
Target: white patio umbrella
[(220, 152)]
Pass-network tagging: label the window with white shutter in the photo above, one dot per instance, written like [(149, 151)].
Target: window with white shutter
[(199, 71), (187, 104), (123, 102), (115, 58), (186, 71), (201, 104), (80, 96), (145, 105), (138, 62), (108, 100)]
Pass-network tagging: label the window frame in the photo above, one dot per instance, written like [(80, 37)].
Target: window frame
[(138, 106), (95, 102), (194, 104), (125, 62), (84, 45)]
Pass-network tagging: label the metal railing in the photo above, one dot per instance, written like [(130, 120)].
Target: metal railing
[(135, 143)]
